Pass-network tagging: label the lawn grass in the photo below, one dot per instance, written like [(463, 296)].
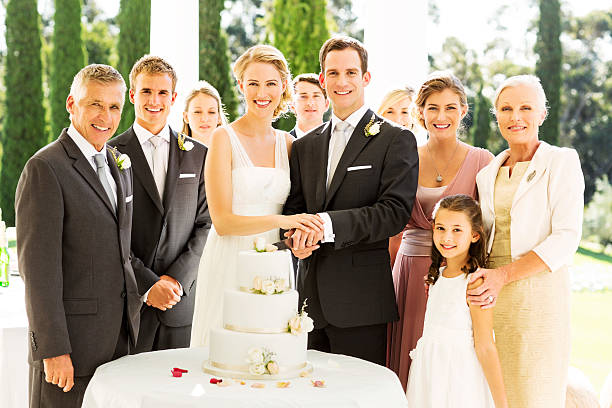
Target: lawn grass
[(592, 335), (592, 324)]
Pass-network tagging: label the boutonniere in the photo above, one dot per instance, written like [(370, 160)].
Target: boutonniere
[(123, 160), (183, 144), (372, 128)]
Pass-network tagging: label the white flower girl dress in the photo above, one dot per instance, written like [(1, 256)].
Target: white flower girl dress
[(445, 372)]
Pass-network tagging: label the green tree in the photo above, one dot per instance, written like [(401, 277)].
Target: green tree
[(134, 21), (214, 65), (481, 128), (67, 58), (298, 28), (100, 35), (548, 65), (586, 114), (23, 131)]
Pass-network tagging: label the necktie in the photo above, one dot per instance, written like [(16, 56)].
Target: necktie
[(338, 141), (159, 170), (101, 164)]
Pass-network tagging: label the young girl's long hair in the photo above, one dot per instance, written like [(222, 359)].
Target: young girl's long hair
[(477, 252)]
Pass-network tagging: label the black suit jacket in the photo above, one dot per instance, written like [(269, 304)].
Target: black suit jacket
[(74, 257), (168, 236), (293, 133), (348, 283)]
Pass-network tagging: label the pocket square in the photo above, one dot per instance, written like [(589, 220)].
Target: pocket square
[(368, 166), (129, 198), (187, 175)]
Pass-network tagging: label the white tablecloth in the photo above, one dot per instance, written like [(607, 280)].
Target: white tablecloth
[(144, 380), (13, 346)]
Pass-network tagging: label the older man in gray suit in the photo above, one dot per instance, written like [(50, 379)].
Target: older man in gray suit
[(74, 215)]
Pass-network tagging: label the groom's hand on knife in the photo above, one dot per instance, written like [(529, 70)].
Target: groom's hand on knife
[(302, 243)]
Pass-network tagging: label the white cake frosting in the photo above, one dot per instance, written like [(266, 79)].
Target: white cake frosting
[(248, 312), (264, 265), (257, 324), (229, 351)]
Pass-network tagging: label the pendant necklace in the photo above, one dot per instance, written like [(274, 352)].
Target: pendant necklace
[(433, 162)]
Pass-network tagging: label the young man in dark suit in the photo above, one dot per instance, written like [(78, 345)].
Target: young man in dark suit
[(73, 214), (171, 220), (359, 173), (310, 104)]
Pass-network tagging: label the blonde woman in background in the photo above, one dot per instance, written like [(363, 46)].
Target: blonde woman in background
[(531, 197), (203, 112), (397, 105), (447, 166), (247, 182)]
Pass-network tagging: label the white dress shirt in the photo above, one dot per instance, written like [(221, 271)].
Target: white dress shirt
[(89, 152), (353, 120), (144, 135)]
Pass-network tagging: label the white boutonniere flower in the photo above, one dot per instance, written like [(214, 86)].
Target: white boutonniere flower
[(372, 128), (123, 160), (183, 144)]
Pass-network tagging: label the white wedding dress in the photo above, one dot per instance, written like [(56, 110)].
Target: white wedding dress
[(255, 191)]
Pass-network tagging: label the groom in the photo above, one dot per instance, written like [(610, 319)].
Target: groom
[(359, 172)]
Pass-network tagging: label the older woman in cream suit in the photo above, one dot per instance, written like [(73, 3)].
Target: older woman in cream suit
[(532, 201)]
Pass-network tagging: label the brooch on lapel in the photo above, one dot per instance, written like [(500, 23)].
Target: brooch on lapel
[(183, 144), (372, 128), (123, 160), (531, 176)]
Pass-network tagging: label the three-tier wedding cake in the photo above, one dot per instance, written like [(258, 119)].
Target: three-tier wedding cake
[(264, 336)]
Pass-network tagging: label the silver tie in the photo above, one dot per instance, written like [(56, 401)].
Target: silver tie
[(159, 170), (338, 140), (101, 165)]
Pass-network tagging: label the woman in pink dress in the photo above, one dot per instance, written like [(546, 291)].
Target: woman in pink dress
[(446, 167)]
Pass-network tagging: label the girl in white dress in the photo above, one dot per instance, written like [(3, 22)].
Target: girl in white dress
[(247, 182), (455, 362)]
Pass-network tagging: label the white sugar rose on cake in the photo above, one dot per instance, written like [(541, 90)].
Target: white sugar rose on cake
[(263, 335)]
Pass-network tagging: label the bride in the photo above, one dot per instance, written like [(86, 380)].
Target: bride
[(247, 182)]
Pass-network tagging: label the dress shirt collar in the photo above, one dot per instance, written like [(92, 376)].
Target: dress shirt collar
[(144, 135), (84, 146), (353, 118), (299, 132)]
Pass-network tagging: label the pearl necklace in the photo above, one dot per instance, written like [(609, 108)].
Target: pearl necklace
[(439, 178)]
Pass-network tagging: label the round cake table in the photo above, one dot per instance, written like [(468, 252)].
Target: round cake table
[(144, 380)]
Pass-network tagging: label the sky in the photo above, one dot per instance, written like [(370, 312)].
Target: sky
[(472, 21)]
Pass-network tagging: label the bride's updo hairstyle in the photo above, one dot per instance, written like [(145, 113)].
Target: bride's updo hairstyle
[(268, 55), (437, 81)]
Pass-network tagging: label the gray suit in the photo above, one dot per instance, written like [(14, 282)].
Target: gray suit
[(168, 236), (74, 257)]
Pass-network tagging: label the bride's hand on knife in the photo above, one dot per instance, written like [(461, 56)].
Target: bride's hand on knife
[(304, 222)]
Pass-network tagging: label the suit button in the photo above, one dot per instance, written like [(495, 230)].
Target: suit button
[(123, 293)]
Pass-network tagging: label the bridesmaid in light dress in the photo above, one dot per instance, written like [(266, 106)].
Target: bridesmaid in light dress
[(446, 167)]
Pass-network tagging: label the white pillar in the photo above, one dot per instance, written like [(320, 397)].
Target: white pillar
[(174, 37), (396, 39)]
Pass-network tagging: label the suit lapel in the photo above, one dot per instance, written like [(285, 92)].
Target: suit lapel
[(142, 171), (535, 170), (320, 152), (118, 181), (356, 143), (83, 167), (174, 166)]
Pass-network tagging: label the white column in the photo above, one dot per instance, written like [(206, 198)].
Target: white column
[(396, 39), (174, 37)]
